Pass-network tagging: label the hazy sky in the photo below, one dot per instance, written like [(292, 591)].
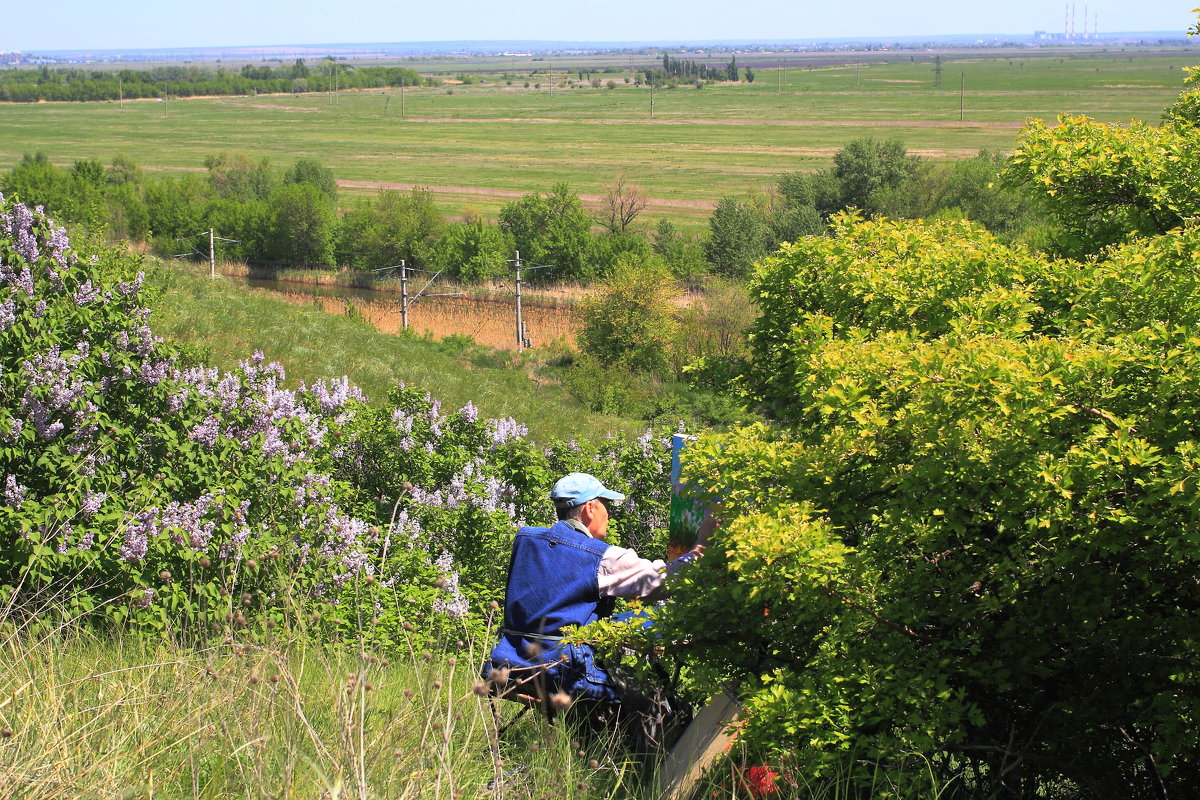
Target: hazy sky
[(81, 24)]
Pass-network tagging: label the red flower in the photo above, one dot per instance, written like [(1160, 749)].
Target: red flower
[(759, 781)]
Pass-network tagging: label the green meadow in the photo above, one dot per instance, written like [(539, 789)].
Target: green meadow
[(481, 144)]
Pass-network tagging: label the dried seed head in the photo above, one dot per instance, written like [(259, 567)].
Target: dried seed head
[(408, 487), (246, 598), (204, 562), (408, 626), (251, 563), (533, 748), (560, 700), (437, 684), (6, 733), (451, 661), (370, 580), (593, 764), (368, 686), (440, 583), (499, 676), (164, 576), (408, 693), (274, 679), (271, 624), (581, 753), (316, 617), (533, 649), (427, 656), (493, 605), (253, 678), (480, 689)]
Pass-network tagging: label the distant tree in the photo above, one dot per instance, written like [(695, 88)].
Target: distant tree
[(820, 189), (623, 202), (234, 175), (630, 321), (310, 171), (866, 165), (731, 71), (123, 170), (682, 254), (737, 237), (391, 227), (88, 172), (473, 251), (304, 226), (749, 75), (552, 229)]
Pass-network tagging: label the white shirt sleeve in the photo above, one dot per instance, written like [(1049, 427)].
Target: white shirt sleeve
[(623, 573)]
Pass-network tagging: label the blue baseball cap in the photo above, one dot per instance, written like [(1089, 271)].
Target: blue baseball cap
[(578, 488)]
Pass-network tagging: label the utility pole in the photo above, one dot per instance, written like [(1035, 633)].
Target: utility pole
[(937, 72), (402, 98), (520, 323), (405, 302), (120, 92), (212, 256), (403, 295), (857, 75), (778, 77), (962, 90), (650, 77), (522, 339)]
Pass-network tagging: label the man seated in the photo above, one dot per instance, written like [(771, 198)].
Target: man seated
[(563, 576)]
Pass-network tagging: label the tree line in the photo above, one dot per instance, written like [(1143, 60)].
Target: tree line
[(30, 86), (293, 218)]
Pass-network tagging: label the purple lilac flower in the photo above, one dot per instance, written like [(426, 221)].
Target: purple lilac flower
[(147, 598), (503, 430), (138, 534), (455, 605), (131, 289), (8, 314), (86, 293), (233, 548), (14, 493), (24, 281), (92, 502), (206, 432), (87, 540), (187, 519), (58, 243), (334, 395), (22, 232), (470, 412)]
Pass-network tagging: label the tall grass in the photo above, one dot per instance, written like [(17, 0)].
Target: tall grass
[(225, 322), (110, 716)]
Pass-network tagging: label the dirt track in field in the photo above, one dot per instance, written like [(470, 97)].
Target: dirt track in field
[(785, 123)]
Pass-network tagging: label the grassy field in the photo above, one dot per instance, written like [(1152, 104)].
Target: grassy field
[(481, 145)]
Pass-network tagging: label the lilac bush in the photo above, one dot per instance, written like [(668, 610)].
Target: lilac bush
[(173, 496)]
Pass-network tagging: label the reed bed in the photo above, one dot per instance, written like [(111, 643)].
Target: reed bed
[(487, 322)]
